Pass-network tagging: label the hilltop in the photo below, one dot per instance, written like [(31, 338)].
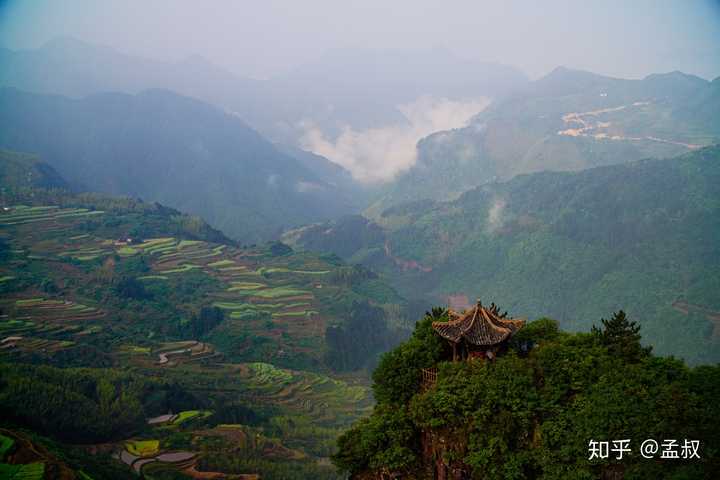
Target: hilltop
[(534, 411)]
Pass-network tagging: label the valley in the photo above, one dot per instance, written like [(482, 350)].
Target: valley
[(353, 241), (569, 245)]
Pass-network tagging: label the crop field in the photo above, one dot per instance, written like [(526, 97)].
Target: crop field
[(270, 299), (30, 471), (143, 448), (189, 415), (311, 411), (326, 401), (22, 214), (44, 325), (61, 289)]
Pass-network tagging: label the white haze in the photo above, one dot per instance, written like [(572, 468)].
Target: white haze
[(379, 154), (495, 218)]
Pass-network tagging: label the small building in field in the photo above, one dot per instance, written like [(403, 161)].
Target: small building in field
[(479, 332)]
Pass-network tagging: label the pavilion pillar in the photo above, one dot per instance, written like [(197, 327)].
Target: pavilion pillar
[(454, 351)]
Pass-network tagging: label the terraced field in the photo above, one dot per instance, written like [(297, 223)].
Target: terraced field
[(271, 303), (75, 277), (45, 325), (323, 400), (29, 471), (22, 459)]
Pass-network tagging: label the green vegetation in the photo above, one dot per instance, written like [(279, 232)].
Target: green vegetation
[(82, 405), (570, 246), (143, 448), (533, 411), (190, 415), (6, 444), (134, 342), (277, 292), (30, 471)]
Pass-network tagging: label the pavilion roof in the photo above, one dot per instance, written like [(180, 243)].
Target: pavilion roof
[(480, 326)]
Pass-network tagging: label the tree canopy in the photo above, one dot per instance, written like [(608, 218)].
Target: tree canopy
[(533, 411)]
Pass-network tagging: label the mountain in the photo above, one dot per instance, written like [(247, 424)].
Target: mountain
[(362, 88), (639, 236), (347, 87), (116, 311), (567, 120), (179, 151), (19, 170), (70, 67)]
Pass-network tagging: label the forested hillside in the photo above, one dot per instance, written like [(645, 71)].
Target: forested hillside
[(640, 236), (160, 146), (534, 411)]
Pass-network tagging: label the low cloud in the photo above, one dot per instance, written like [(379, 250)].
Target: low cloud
[(378, 154), (495, 218)]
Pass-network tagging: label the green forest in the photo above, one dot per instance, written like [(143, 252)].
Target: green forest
[(640, 236), (533, 411)]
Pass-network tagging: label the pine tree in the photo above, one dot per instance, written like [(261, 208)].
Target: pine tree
[(621, 337)]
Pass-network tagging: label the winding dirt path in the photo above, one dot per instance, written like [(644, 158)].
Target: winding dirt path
[(586, 124)]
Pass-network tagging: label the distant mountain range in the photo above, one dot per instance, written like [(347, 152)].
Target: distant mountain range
[(164, 147), (351, 87), (568, 120), (641, 236)]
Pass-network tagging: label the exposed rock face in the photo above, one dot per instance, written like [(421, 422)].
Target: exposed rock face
[(436, 459)]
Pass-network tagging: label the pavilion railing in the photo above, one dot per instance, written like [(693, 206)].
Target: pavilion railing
[(429, 378)]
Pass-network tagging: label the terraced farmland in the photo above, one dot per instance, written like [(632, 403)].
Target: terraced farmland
[(143, 448), (77, 277), (251, 284), (29, 471), (44, 325)]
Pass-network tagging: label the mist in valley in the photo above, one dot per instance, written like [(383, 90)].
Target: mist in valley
[(359, 83), (276, 239)]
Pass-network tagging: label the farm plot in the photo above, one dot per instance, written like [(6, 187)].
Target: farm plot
[(22, 214), (188, 415), (174, 353), (45, 325), (143, 448), (325, 401), (139, 454), (47, 232), (30, 471), (34, 344), (316, 395), (52, 310)]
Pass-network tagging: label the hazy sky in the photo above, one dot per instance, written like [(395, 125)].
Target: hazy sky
[(266, 37)]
